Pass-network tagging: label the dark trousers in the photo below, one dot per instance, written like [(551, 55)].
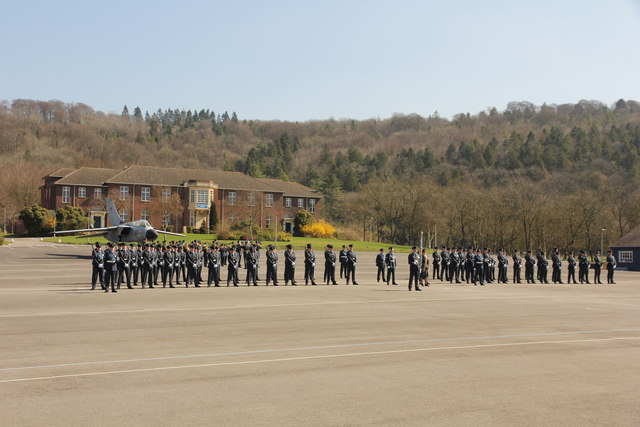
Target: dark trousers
[(251, 276), (134, 274), (343, 269), (583, 274), (479, 276), (572, 275), (110, 278), (596, 274), (351, 273), (516, 273), (232, 276), (309, 273), (272, 274), (470, 272), (156, 272), (214, 275), (380, 273), (289, 274), (413, 276), (543, 275), (95, 273), (555, 276), (453, 271), (436, 270), (610, 275), (167, 274), (528, 273), (147, 273), (391, 272), (329, 273), (124, 272)]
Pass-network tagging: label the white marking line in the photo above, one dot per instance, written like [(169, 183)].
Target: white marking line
[(322, 347), (327, 356)]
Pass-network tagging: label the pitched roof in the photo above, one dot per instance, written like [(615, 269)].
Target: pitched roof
[(629, 240), (88, 176), (291, 188), (61, 172)]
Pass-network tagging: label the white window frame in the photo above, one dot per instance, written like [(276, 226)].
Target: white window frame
[(625, 257), (287, 202), (192, 196), (124, 215), (202, 196), (166, 194), (97, 193), (269, 202), (232, 198), (300, 202), (66, 194), (144, 214), (312, 206), (145, 194), (251, 199), (82, 192), (124, 192), (166, 218), (268, 222)]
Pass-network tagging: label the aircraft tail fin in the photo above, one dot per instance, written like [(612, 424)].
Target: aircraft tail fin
[(114, 218)]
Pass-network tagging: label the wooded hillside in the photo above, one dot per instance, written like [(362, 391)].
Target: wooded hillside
[(568, 154)]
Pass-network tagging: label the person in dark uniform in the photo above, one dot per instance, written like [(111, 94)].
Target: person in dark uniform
[(177, 261), (330, 265), (213, 263), (414, 268), (436, 265), (543, 267), (462, 267), (252, 267), (470, 264), (257, 248), (454, 264), (159, 263), (529, 264), (199, 257), (351, 265), (342, 257), (479, 268), (289, 266), (380, 265), (556, 276), (110, 268), (272, 266), (192, 267), (571, 262), (444, 265), (503, 264), (538, 258), (597, 267), (147, 266), (517, 266), (309, 265), (124, 270), (392, 263), (183, 262), (97, 266), (611, 267), (583, 267), (134, 263), (169, 264), (424, 269), (233, 266), (486, 265)]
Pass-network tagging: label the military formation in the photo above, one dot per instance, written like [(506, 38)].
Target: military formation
[(151, 265)]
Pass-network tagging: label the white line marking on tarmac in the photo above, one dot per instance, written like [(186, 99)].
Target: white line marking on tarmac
[(327, 356), (322, 347)]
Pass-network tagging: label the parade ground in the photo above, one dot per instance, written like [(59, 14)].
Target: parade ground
[(502, 354)]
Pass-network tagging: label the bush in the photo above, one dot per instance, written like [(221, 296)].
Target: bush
[(303, 218), (1, 240), (169, 228), (283, 236), (70, 218), (319, 229), (265, 235), (189, 229), (37, 220)]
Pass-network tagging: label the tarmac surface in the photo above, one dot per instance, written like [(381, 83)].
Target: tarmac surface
[(311, 355)]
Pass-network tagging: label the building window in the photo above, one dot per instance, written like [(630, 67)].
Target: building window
[(145, 194), (165, 219), (312, 206), (166, 194), (82, 192), (203, 196), (66, 192), (268, 221), (124, 192), (269, 200), (300, 202), (144, 214), (97, 193), (192, 196), (251, 199), (626, 257), (232, 198), (287, 202), (124, 215), (192, 219)]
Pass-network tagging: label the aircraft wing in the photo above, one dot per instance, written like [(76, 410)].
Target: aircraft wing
[(171, 234), (88, 230)]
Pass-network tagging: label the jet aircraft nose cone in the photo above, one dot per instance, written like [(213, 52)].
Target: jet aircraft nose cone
[(151, 234)]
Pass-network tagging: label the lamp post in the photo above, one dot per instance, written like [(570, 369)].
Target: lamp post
[(4, 223), (602, 241)]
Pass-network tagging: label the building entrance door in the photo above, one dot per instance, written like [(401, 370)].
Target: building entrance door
[(97, 221)]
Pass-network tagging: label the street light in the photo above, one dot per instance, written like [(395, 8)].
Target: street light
[(602, 241)]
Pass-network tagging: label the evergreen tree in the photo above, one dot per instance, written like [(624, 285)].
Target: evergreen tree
[(137, 113), (213, 216), (125, 111)]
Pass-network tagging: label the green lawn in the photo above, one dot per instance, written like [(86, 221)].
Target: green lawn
[(297, 242)]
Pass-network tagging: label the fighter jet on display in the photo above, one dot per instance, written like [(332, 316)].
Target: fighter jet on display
[(120, 231)]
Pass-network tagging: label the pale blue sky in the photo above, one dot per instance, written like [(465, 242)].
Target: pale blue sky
[(302, 60)]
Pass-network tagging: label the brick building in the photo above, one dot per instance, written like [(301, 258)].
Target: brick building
[(177, 198)]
